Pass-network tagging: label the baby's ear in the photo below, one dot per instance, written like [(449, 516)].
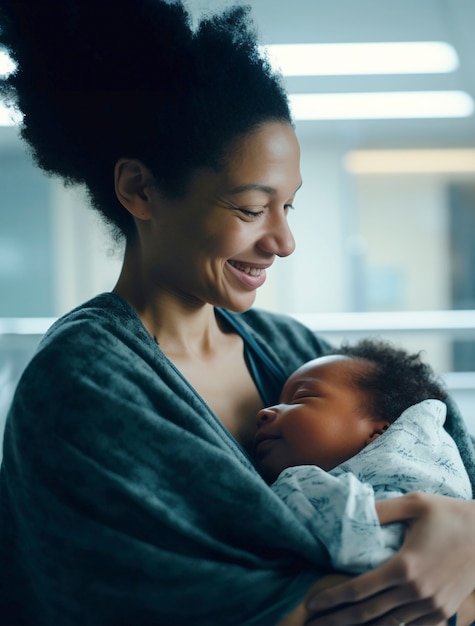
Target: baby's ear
[(379, 429)]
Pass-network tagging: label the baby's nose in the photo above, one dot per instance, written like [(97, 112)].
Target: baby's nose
[(268, 414)]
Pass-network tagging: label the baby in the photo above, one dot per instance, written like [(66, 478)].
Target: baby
[(364, 422)]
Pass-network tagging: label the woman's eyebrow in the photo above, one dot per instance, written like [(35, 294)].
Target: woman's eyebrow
[(255, 187), (252, 187)]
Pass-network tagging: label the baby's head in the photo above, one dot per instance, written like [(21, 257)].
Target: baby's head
[(333, 406)]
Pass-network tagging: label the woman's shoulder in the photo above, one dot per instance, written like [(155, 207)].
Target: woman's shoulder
[(104, 322), (98, 336), (106, 313), (91, 360), (281, 333)]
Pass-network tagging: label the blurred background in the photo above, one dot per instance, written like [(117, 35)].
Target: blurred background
[(384, 222)]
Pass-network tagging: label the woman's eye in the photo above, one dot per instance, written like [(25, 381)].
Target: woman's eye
[(251, 213), (288, 207)]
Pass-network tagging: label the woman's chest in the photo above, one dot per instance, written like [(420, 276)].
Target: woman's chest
[(228, 389)]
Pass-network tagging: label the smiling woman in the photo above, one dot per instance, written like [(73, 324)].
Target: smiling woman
[(207, 245), (128, 494)]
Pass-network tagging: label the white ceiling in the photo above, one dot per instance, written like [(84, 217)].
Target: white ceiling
[(334, 21)]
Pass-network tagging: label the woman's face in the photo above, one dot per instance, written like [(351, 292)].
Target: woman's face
[(215, 244)]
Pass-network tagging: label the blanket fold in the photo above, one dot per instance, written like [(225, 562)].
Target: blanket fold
[(121, 500)]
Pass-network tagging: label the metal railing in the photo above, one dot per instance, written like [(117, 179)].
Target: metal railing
[(456, 323)]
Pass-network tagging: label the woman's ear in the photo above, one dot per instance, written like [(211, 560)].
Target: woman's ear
[(379, 428), (133, 182)]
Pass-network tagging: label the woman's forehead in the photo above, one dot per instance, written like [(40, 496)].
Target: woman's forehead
[(274, 142)]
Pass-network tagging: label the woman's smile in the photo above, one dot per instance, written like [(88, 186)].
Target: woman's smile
[(251, 276)]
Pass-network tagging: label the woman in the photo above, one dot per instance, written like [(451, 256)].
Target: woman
[(128, 495)]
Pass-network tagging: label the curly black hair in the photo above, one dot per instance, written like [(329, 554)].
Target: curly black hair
[(396, 379), (98, 80)]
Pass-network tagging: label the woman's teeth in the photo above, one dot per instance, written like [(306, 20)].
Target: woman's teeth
[(253, 271)]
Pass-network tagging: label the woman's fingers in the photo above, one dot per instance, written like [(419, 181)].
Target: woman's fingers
[(374, 612), (367, 585), (299, 615), (424, 583), (416, 614), (399, 509)]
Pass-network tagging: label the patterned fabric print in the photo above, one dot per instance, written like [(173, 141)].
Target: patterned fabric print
[(338, 507)]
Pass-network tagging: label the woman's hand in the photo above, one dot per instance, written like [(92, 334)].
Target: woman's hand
[(299, 615), (424, 583)]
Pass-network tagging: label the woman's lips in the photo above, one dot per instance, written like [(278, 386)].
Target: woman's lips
[(249, 275)]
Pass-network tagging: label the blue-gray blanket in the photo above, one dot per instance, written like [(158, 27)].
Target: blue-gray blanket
[(123, 501)]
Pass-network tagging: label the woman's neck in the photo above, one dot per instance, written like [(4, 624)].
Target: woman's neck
[(180, 325)]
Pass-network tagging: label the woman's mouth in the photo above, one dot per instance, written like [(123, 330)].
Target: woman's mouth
[(249, 275), (253, 271)]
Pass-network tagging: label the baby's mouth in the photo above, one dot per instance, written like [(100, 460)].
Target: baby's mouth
[(263, 439)]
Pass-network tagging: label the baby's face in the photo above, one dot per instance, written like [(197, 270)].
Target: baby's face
[(321, 419)]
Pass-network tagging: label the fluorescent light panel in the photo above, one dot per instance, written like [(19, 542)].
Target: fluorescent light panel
[(365, 58), (353, 106), (381, 105), (419, 57), (8, 116), (410, 161), (6, 64)]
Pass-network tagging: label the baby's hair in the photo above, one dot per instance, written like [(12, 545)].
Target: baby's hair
[(396, 379), (99, 80)]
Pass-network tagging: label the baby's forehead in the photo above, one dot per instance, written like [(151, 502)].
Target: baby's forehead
[(331, 367), (329, 362)]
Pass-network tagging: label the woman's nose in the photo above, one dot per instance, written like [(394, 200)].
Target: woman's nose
[(278, 238), (266, 415)]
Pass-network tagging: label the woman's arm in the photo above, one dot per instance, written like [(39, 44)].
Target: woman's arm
[(424, 583)]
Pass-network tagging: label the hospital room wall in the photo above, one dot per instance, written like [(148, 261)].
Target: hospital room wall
[(363, 243), (367, 243)]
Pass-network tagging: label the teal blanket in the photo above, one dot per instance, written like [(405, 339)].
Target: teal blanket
[(123, 501)]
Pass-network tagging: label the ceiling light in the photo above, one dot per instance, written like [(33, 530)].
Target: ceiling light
[(6, 64), (381, 105), (8, 116), (420, 57), (410, 161)]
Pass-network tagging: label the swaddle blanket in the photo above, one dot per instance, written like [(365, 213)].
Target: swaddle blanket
[(414, 454)]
